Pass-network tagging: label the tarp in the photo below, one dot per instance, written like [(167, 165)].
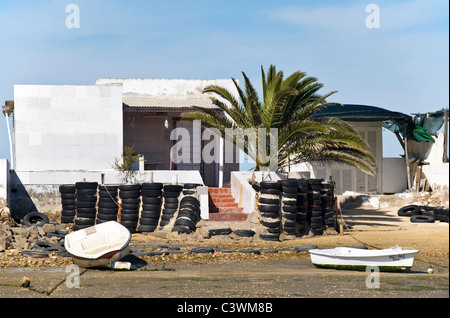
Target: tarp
[(422, 127)]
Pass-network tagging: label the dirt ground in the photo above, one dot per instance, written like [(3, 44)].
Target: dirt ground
[(285, 274)]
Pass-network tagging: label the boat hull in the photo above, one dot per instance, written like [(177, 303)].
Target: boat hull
[(99, 245), (388, 260)]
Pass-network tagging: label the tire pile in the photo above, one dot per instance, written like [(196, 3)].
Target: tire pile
[(189, 211), (424, 214), (151, 206), (269, 208), (293, 207), (108, 203), (328, 204), (130, 195), (86, 202), (170, 206), (68, 200)]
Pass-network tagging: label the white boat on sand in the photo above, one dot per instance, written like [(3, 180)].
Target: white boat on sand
[(388, 260), (99, 245)]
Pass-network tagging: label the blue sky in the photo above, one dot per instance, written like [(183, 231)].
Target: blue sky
[(402, 66)]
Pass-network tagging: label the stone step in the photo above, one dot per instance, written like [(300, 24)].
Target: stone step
[(222, 206)]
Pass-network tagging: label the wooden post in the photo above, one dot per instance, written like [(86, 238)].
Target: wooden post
[(407, 163)]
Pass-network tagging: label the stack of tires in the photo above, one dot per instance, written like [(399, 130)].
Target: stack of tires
[(269, 209), (302, 206), (86, 204), (130, 196), (190, 188), (151, 206), (108, 203), (171, 193), (315, 206), (289, 206), (328, 204), (68, 201), (188, 215)]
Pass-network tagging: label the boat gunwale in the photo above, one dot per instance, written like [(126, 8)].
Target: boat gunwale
[(362, 253)]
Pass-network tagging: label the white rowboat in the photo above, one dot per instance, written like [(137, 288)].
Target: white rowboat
[(99, 245), (387, 260)]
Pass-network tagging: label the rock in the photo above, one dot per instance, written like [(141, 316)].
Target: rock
[(49, 228), (22, 231)]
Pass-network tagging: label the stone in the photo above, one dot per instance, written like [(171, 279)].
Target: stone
[(49, 228)]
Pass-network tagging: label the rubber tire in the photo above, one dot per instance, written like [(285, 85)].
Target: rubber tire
[(422, 219), (67, 188), (86, 185), (147, 200), (409, 210), (269, 201), (129, 187), (152, 186), (269, 208), (270, 185), (245, 233), (173, 188), (35, 218)]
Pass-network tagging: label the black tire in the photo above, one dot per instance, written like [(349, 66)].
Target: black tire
[(288, 183), (109, 188), (269, 201), (151, 193), (171, 194), (86, 215), (84, 221), (86, 192), (189, 192), (146, 228), (129, 217), (169, 211), (67, 219), (270, 191), (130, 211), (152, 186), (202, 249), (69, 207), (129, 187), (290, 190), (173, 188), (107, 204), (35, 218), (88, 205), (318, 231), (181, 229), (290, 216), (109, 211), (151, 207), (151, 214), (409, 210), (129, 194), (269, 237), (104, 194), (271, 215), (171, 205), (130, 201), (191, 185), (130, 206), (270, 185), (269, 208), (147, 200), (224, 231), (192, 200), (148, 221), (172, 200), (186, 222), (291, 202), (273, 224), (129, 224), (189, 214), (67, 188), (86, 185), (245, 233), (106, 217), (290, 208), (422, 219), (71, 196), (71, 213)]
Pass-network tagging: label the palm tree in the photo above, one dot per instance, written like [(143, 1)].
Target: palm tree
[(286, 106)]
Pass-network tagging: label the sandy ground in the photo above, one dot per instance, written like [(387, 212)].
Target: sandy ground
[(284, 274)]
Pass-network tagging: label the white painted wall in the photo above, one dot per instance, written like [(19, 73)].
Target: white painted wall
[(4, 181), (394, 175), (67, 127)]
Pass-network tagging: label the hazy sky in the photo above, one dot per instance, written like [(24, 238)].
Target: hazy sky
[(402, 66)]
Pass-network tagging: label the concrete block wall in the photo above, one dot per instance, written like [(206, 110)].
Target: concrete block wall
[(67, 127)]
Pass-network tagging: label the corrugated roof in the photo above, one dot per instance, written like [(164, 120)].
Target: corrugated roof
[(168, 101)]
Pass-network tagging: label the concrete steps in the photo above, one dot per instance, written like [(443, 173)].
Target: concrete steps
[(222, 206)]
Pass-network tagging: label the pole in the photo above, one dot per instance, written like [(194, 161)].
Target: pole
[(445, 158), (10, 141)]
